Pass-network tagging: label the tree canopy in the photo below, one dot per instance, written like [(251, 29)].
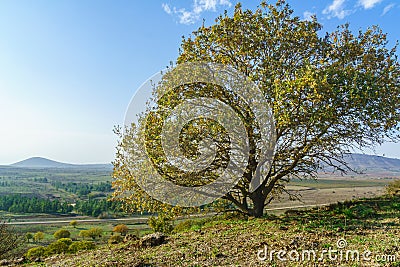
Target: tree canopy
[(329, 94)]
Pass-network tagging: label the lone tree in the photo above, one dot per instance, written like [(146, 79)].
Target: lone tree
[(28, 236), (38, 236), (329, 94), (62, 233)]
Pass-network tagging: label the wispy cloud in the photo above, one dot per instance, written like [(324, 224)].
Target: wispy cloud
[(336, 9), (387, 9), (166, 8), (308, 15), (368, 4), (199, 6)]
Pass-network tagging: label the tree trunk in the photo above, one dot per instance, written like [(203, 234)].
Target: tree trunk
[(258, 204)]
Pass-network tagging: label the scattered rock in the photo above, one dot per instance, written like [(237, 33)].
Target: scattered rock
[(4, 262), (12, 262), (153, 240), (220, 255), (130, 237), (19, 260)]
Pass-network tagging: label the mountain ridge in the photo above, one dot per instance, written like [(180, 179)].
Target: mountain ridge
[(373, 164), (40, 162), (359, 162)]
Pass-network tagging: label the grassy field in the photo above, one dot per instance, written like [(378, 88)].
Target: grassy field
[(41, 182), (341, 182), (45, 183)]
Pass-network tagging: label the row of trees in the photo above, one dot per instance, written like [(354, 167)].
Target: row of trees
[(37, 237), (25, 204), (95, 207)]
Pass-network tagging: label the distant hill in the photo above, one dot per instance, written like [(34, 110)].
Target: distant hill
[(373, 164), (38, 162)]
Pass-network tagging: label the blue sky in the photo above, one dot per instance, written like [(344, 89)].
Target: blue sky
[(69, 68)]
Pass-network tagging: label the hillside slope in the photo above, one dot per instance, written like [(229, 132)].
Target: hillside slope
[(364, 225), (372, 163)]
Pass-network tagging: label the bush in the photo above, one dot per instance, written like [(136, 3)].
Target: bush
[(121, 228), (62, 233), (36, 252), (38, 236), (81, 245), (73, 223), (115, 239), (92, 232), (84, 234), (66, 241), (95, 232), (56, 248), (161, 224), (393, 188)]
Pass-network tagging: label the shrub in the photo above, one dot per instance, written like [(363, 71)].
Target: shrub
[(38, 236), (73, 223), (115, 239), (81, 245), (36, 252), (121, 228), (56, 248), (84, 234), (93, 233), (161, 224), (62, 233), (66, 241), (393, 188)]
